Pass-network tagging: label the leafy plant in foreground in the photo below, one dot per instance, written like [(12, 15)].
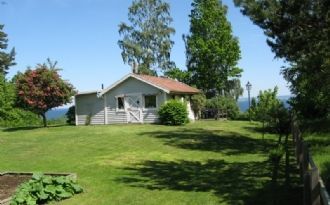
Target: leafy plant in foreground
[(42, 189)]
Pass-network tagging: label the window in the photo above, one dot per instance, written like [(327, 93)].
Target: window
[(150, 101), (120, 103)]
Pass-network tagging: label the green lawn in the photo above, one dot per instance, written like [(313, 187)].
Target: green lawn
[(207, 162), (320, 150)]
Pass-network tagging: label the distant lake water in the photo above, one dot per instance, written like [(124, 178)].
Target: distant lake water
[(242, 103), (56, 113)]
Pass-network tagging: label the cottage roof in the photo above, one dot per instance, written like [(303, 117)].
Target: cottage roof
[(168, 85)]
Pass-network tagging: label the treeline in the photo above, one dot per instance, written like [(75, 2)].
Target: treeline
[(298, 33)]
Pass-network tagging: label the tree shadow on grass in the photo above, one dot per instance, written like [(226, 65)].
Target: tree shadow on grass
[(15, 129), (233, 183), (216, 141), (258, 129)]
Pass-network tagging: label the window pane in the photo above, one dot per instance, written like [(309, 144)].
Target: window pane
[(120, 103), (150, 101)]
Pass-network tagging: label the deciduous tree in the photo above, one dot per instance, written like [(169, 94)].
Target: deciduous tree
[(212, 50), (42, 89), (180, 75), (267, 104), (146, 40)]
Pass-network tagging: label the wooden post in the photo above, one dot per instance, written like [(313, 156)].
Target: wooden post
[(307, 198), (315, 187), (305, 159)]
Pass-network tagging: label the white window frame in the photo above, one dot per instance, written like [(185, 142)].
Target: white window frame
[(144, 105), (117, 108)]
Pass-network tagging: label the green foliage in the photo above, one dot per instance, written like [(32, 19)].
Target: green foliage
[(10, 116), (243, 116), (265, 105), (71, 115), (16, 117), (281, 119), (276, 154), (6, 58), (42, 89), (146, 42), (234, 88), (298, 32), (42, 189), (224, 104), (212, 51), (198, 102), (180, 75), (7, 94), (269, 109), (173, 112)]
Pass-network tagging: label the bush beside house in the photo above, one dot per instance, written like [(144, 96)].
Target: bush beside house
[(173, 112)]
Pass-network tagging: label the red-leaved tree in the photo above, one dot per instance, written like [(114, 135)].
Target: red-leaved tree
[(42, 89)]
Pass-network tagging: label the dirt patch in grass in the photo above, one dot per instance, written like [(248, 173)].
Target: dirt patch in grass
[(9, 183)]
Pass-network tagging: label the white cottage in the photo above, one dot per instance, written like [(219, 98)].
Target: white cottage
[(132, 99)]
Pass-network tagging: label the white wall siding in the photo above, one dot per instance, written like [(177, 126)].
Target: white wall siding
[(98, 118), (191, 115), (132, 85), (89, 105), (150, 116), (116, 117)]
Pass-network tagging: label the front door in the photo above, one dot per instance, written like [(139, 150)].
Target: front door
[(133, 108)]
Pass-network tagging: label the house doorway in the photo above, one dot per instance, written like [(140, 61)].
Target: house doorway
[(134, 108)]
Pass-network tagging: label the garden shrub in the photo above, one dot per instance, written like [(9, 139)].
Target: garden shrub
[(71, 115), (42, 189), (198, 102), (16, 117), (223, 103), (173, 112)]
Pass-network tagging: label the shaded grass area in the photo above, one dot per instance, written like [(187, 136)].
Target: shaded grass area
[(206, 162)]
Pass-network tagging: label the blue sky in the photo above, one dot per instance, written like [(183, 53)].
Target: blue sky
[(82, 36)]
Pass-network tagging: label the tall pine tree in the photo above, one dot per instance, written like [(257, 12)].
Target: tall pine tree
[(212, 50), (146, 40), (7, 94), (6, 58)]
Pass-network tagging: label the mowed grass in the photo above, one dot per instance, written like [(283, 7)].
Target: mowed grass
[(207, 162)]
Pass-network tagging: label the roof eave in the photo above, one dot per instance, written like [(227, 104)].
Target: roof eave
[(86, 93), (183, 92)]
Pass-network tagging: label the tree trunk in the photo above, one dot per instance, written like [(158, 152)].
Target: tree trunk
[(44, 119), (287, 161)]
